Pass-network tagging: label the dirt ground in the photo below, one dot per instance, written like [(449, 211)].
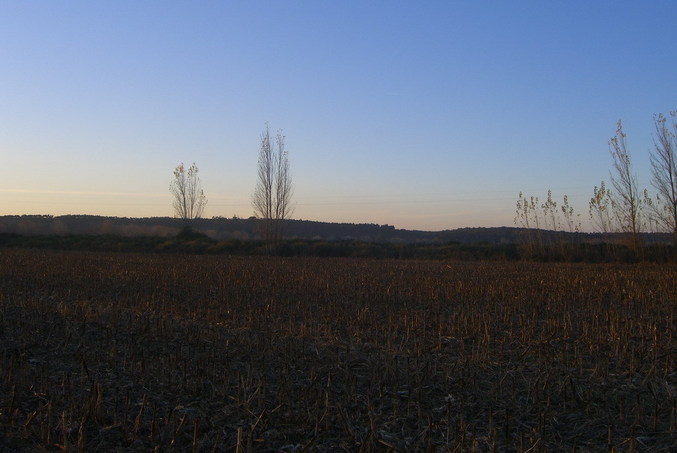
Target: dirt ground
[(132, 352)]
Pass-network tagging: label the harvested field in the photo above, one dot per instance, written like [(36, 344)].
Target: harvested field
[(127, 352)]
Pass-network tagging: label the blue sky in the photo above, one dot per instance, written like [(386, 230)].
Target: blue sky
[(422, 115)]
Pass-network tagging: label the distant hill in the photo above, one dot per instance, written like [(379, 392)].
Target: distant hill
[(247, 229)]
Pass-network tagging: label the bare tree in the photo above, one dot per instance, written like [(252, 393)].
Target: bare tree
[(283, 184), (262, 200), (601, 209), (274, 188), (626, 200), (189, 198), (664, 174)]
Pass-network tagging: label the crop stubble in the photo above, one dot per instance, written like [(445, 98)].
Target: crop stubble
[(127, 352)]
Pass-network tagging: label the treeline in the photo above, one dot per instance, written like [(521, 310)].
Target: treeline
[(225, 229), (221, 228), (190, 242)]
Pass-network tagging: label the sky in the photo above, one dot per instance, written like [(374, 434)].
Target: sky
[(423, 115)]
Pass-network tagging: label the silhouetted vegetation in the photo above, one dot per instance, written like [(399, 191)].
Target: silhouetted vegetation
[(191, 242), (308, 238), (221, 229), (274, 188), (189, 198)]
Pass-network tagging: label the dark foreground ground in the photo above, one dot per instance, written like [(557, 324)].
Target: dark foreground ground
[(133, 352)]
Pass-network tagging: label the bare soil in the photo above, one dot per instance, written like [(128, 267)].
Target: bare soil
[(132, 352)]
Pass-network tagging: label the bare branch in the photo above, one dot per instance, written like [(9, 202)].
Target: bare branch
[(663, 209), (626, 201)]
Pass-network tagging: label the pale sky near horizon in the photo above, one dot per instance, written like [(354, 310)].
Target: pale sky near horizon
[(422, 115)]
